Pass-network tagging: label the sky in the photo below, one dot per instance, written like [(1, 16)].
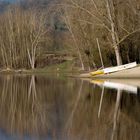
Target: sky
[(7, 0)]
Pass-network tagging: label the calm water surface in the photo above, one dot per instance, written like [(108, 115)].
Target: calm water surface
[(61, 108)]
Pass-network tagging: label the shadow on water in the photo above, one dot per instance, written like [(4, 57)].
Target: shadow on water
[(54, 108)]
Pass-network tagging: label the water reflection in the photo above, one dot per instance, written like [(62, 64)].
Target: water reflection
[(59, 108), (120, 87), (116, 85)]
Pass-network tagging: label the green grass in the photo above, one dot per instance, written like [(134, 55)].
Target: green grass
[(65, 67)]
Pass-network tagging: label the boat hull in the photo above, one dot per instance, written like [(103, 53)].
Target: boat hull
[(114, 69)]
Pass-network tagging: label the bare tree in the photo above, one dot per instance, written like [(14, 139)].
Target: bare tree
[(21, 34), (108, 17)]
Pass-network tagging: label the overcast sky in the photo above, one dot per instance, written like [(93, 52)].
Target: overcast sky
[(8, 0)]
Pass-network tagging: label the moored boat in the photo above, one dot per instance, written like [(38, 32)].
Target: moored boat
[(113, 69)]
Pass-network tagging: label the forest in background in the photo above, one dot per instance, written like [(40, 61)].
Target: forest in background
[(40, 33)]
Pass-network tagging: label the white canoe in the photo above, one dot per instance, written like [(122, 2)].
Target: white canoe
[(114, 69)]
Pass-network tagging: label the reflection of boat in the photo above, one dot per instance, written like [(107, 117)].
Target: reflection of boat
[(115, 85), (113, 69)]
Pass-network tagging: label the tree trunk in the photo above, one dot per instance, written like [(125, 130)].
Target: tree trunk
[(118, 57), (114, 35)]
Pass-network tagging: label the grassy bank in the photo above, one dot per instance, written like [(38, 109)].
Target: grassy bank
[(65, 67)]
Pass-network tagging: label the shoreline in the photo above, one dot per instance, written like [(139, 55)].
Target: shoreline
[(133, 73)]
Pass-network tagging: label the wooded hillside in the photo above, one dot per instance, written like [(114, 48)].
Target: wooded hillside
[(29, 29)]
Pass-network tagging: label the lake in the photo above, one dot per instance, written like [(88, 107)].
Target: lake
[(39, 107)]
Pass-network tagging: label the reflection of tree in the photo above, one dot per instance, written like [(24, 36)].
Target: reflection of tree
[(116, 113), (35, 105), (70, 119), (64, 109), (86, 124), (126, 126), (101, 101), (21, 106), (32, 88)]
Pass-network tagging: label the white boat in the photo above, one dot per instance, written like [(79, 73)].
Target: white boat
[(113, 69)]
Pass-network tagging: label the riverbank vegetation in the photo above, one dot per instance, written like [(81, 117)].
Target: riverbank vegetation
[(41, 33)]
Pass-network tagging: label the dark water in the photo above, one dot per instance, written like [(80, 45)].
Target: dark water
[(62, 108)]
